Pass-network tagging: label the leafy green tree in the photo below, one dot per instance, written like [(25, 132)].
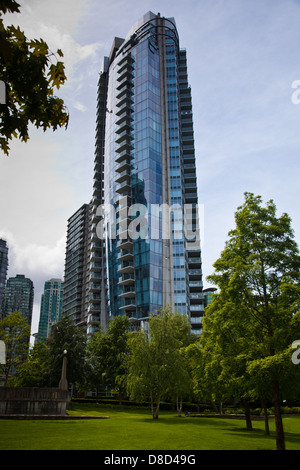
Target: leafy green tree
[(15, 332), (156, 365), (106, 351), (181, 384), (33, 372), (30, 72), (216, 363), (258, 273), (66, 336)]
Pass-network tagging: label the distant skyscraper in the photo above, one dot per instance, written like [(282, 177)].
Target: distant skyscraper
[(74, 295), (3, 270), (51, 307), (19, 293), (145, 161)]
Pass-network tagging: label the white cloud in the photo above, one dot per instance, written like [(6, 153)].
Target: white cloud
[(43, 260), (72, 50), (80, 106), (55, 23), (33, 13), (38, 262)]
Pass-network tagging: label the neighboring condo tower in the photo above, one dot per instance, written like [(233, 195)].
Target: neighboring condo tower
[(3, 270), (144, 161)]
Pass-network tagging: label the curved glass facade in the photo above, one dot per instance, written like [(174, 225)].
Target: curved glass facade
[(149, 164)]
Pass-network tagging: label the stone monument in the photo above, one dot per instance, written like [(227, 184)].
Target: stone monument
[(27, 402), (63, 383)]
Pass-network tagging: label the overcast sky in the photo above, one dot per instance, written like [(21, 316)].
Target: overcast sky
[(243, 57)]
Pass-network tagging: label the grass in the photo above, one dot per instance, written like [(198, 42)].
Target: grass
[(134, 429)]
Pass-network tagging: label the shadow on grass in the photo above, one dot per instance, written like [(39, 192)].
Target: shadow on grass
[(176, 420), (290, 438), (168, 419)]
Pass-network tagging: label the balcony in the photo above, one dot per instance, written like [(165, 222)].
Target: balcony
[(125, 91), (191, 197), (126, 59), (126, 279), (126, 108), (94, 308), (125, 101), (196, 296), (124, 136), (126, 267), (96, 266), (93, 319), (123, 187), (126, 246), (195, 272), (124, 166), (95, 275), (124, 156), (197, 308), (189, 167), (130, 304), (123, 176), (96, 256), (94, 297), (124, 118), (125, 126), (194, 261), (126, 146), (93, 287), (128, 292), (196, 320), (195, 285), (125, 75), (125, 255), (188, 139)]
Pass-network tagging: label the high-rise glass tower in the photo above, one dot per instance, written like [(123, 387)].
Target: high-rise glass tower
[(148, 243), (3, 270), (19, 294), (51, 307), (74, 295)]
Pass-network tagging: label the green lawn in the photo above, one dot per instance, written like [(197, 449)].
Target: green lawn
[(134, 429)]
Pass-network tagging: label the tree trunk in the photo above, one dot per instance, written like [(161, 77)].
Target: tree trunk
[(247, 414), (264, 407), (179, 406), (215, 407), (280, 441), (152, 405), (157, 409)]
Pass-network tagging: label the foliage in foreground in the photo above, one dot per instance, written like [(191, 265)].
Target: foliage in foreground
[(30, 72), (252, 322), (156, 365)]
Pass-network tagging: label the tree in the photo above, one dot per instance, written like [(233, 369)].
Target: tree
[(258, 272), (66, 336), (156, 366), (106, 351), (15, 332), (33, 372), (30, 72), (221, 359)]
